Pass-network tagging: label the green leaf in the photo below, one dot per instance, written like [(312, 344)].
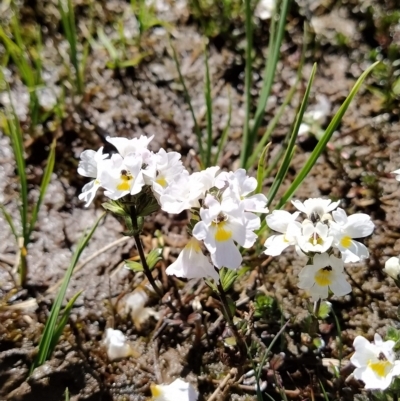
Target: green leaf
[(62, 322), (325, 139), (134, 266), (15, 133), (153, 258), (115, 207), (324, 309), (43, 187), (189, 102), (208, 111), (262, 165), (281, 174), (8, 218), (50, 328), (227, 277)]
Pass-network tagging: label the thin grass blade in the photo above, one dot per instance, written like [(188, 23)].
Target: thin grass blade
[(273, 123), (189, 102), (208, 110), (51, 323), (281, 174), (325, 138), (43, 187), (261, 168), (14, 130), (269, 75), (62, 322), (9, 220), (224, 136), (246, 143)]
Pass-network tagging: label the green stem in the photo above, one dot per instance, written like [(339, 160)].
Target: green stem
[(239, 339), (142, 256)]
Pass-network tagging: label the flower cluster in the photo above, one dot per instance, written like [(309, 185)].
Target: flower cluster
[(325, 232), (375, 363), (128, 170), (224, 217), (221, 202)]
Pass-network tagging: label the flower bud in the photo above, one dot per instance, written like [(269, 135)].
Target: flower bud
[(392, 267)]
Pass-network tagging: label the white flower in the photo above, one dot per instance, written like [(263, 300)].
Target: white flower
[(283, 222), (90, 166), (192, 263), (126, 146), (345, 228), (178, 390), (265, 9), (313, 119), (397, 172), (168, 167), (392, 267), (325, 273), (375, 362), (135, 305), (117, 345), (186, 191), (316, 208), (221, 224), (122, 176), (238, 185), (314, 238)]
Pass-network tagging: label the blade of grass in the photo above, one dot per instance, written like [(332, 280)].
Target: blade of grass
[(62, 322), (247, 84), (14, 130), (270, 68), (261, 169), (325, 138), (66, 394), (224, 136), (281, 174), (189, 102), (208, 110), (8, 218), (51, 323), (43, 187), (273, 123)]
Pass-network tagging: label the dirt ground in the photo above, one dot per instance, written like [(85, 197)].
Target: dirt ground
[(345, 38)]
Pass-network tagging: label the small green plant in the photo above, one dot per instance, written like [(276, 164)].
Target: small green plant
[(58, 319), (11, 125)]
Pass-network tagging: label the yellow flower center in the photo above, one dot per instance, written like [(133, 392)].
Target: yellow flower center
[(380, 368), (125, 183), (155, 390), (315, 239), (345, 241), (323, 277), (222, 234), (162, 181)]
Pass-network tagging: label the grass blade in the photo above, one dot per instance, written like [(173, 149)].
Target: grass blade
[(43, 187), (189, 102), (14, 130), (8, 218), (224, 136), (280, 176), (270, 69), (261, 169), (208, 111), (325, 138), (247, 144), (273, 123), (51, 324), (62, 322)]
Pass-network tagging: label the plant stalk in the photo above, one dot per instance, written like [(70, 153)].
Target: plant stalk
[(239, 339), (142, 256)]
